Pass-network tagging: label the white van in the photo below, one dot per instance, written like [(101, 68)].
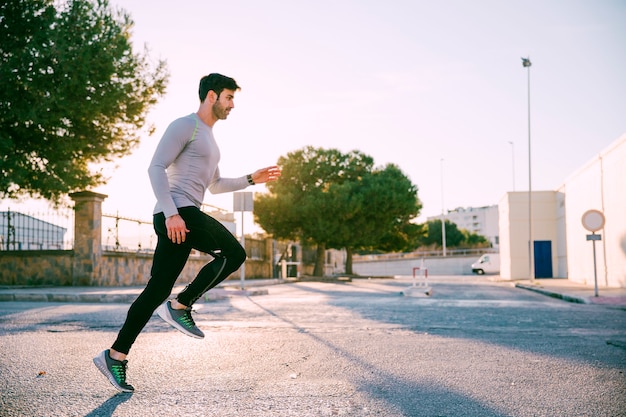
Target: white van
[(489, 263)]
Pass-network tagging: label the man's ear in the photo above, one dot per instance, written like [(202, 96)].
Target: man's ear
[(212, 96)]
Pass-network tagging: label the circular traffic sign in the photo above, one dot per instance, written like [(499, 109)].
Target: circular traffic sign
[(593, 220)]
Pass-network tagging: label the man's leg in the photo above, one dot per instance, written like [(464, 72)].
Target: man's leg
[(210, 236), (168, 261)]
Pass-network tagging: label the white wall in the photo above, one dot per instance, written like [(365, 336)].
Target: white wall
[(450, 265), (515, 230), (561, 236), (599, 185), (513, 217)]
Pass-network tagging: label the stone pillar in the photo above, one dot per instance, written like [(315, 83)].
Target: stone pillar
[(87, 237), (268, 270)]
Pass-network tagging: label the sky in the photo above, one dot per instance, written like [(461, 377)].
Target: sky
[(435, 87)]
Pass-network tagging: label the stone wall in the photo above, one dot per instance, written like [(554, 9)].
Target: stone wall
[(123, 269), (116, 268), (88, 265), (45, 267)]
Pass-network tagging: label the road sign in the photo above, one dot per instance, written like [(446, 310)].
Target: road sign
[(593, 220)]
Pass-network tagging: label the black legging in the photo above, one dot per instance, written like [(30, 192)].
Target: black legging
[(206, 235)]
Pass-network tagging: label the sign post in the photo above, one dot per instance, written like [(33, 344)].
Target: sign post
[(593, 220), (243, 201)]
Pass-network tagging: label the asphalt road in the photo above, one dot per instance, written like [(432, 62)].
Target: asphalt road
[(472, 348)]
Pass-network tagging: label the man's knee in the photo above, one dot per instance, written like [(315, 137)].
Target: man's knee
[(239, 256), (235, 257)]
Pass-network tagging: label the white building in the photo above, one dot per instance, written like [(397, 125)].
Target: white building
[(479, 220), (20, 231), (560, 244)]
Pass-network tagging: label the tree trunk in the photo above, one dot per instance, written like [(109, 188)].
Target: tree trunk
[(320, 260), (349, 261)]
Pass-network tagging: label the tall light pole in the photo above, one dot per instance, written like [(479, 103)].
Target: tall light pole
[(513, 162), (526, 63), (443, 218)]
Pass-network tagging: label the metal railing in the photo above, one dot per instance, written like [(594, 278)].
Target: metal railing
[(49, 230), (122, 234), (425, 254)]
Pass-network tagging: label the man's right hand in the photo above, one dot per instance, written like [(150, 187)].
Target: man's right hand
[(176, 228)]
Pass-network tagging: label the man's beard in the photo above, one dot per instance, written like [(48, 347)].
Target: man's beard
[(219, 111)]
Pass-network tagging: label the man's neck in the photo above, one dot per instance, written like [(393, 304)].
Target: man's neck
[(206, 115)]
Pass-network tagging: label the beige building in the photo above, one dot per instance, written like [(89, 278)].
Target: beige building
[(480, 220), (560, 245)]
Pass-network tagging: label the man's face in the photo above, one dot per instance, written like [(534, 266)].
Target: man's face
[(224, 104)]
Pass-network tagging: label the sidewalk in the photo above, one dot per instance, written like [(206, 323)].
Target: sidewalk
[(567, 290), (557, 287), (226, 289)]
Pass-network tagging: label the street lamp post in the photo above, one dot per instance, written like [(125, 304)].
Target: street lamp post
[(526, 63), (513, 162), (443, 218)]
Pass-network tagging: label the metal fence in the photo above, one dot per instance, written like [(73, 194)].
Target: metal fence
[(53, 229), (421, 254), (49, 230), (124, 234)]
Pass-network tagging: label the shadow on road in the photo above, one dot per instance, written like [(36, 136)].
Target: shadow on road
[(107, 408)]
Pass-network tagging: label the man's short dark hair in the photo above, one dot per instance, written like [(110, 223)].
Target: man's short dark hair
[(217, 83)]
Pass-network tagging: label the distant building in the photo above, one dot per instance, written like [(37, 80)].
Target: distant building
[(482, 221), (562, 246), (227, 219), (560, 242), (20, 231)]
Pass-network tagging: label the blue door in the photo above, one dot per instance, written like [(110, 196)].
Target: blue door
[(543, 258)]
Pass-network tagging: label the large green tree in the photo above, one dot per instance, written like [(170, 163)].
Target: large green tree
[(337, 200), (74, 93), (375, 212), (299, 206), (455, 237)]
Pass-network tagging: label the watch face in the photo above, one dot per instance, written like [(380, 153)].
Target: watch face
[(593, 220)]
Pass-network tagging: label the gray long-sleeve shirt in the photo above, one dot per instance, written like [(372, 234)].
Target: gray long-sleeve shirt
[(185, 164)]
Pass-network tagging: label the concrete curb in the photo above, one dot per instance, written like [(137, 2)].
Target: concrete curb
[(124, 295), (116, 298), (553, 294)]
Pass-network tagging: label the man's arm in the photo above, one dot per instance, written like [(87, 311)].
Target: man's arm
[(224, 185), (171, 145), (266, 174)]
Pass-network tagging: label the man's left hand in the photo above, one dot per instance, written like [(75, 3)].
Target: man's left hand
[(266, 174)]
